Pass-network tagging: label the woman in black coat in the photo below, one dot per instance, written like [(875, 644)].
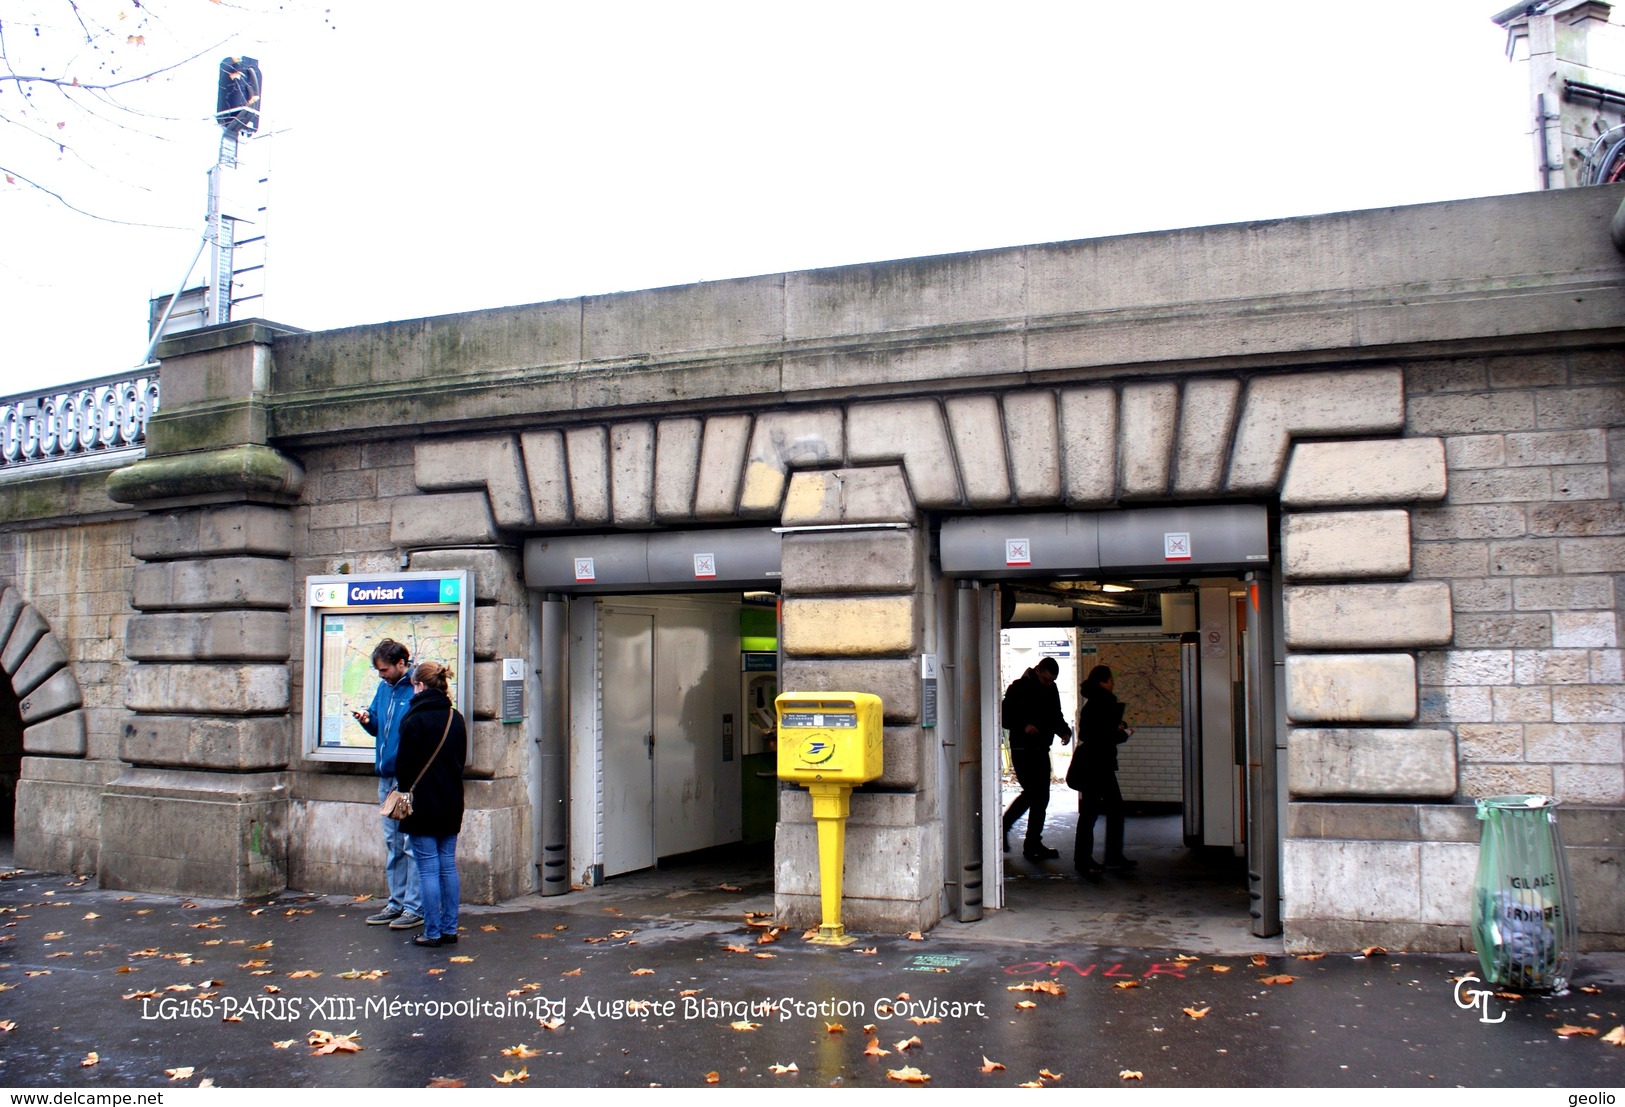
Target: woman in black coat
[(437, 798), (1100, 732)]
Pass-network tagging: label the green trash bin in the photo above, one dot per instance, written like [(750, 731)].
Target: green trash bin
[(1523, 899)]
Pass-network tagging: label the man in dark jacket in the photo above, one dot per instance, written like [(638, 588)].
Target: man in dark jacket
[(1032, 715)]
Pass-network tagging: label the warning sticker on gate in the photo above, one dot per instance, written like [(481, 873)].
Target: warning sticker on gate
[(1176, 547), (705, 565), (1018, 551), (585, 570)]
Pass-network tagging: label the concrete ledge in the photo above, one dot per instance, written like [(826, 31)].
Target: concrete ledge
[(1374, 763), (240, 470), (1305, 935), (257, 744)]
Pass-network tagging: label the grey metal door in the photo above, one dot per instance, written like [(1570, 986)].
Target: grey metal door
[(627, 691)]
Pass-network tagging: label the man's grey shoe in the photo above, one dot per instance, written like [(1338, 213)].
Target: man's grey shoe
[(406, 921), (387, 915)]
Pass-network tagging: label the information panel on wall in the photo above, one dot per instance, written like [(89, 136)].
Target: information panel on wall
[(346, 617)]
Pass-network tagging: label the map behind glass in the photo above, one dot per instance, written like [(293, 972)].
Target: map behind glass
[(348, 680)]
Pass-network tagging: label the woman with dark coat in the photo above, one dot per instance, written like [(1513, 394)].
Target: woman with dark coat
[(437, 799), (1100, 732)]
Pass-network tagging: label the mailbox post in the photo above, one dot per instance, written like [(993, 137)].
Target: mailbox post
[(829, 742)]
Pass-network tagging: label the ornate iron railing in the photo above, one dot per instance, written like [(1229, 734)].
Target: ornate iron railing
[(102, 416)]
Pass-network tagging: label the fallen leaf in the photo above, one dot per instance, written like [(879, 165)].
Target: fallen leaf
[(562, 926), (907, 1044), (1127, 984), (272, 989), (550, 1024), (1031, 1084), (870, 952), (36, 972), (267, 944), (446, 1082), (1310, 956), (323, 1042), (1260, 960), (181, 1073), (285, 1044), (766, 956), (1047, 1075), (869, 1028), (686, 992), (712, 1077), (1130, 1074), (304, 974), (1615, 1037), (1186, 957), (1048, 987), (1220, 968), (206, 1082), (643, 972), (918, 1020), (572, 972), (730, 888), (989, 1066), (743, 1025), (357, 974), (834, 1028), (1569, 1031), (906, 1075), (92, 915), (1025, 1005), (618, 934), (510, 1077), (1590, 989), (462, 959), (874, 1049), (737, 949), (522, 1051), (490, 928), (1278, 978), (91, 1058), (1197, 1012), (810, 933), (915, 936), (1374, 951), (780, 1070)]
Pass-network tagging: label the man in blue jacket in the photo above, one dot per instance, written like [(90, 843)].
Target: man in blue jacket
[(382, 720)]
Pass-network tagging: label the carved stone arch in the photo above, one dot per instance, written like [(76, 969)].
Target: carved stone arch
[(40, 705)]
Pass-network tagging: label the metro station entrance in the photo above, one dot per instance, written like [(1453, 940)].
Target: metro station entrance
[(1191, 642)]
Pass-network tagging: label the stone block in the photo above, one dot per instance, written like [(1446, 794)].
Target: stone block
[(57, 695), (1472, 413), (1467, 594), (1563, 593), (61, 736), (244, 529), (1579, 519), (850, 561), (44, 659), (1588, 703), (1490, 486), (442, 519), (1607, 666), (337, 847), (1362, 616), (1348, 688), (497, 574), (548, 477), (493, 463), (1590, 783), (1448, 822), (977, 429), (1149, 417), (1589, 742), (487, 689), (1577, 447), (255, 744), (869, 626), (1580, 482), (1467, 667), (722, 466), (1332, 879), (1279, 408), (27, 631), (895, 681), (781, 441), (1490, 741), (154, 819), (892, 876), (11, 607), (495, 749), (1207, 416), (1376, 821), (1458, 521), (1451, 559), (208, 636), (878, 494), (915, 432), (1391, 471), (59, 813), (1552, 666), (1476, 451), (1521, 705), (1598, 877), (1580, 408), (1592, 555), (586, 449), (632, 474), (1088, 446), (1032, 440), (1346, 545), (677, 467), (1480, 780), (1522, 559), (1373, 763), (207, 689), (906, 757), (214, 583), (499, 631), (1449, 870)]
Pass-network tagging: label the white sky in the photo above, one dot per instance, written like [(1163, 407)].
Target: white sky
[(436, 157)]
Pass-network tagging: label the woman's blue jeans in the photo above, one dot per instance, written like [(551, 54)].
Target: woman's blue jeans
[(437, 873)]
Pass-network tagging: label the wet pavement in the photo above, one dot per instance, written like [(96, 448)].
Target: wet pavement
[(668, 982)]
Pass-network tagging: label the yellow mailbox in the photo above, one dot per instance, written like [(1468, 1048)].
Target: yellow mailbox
[(829, 736), (829, 741)]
